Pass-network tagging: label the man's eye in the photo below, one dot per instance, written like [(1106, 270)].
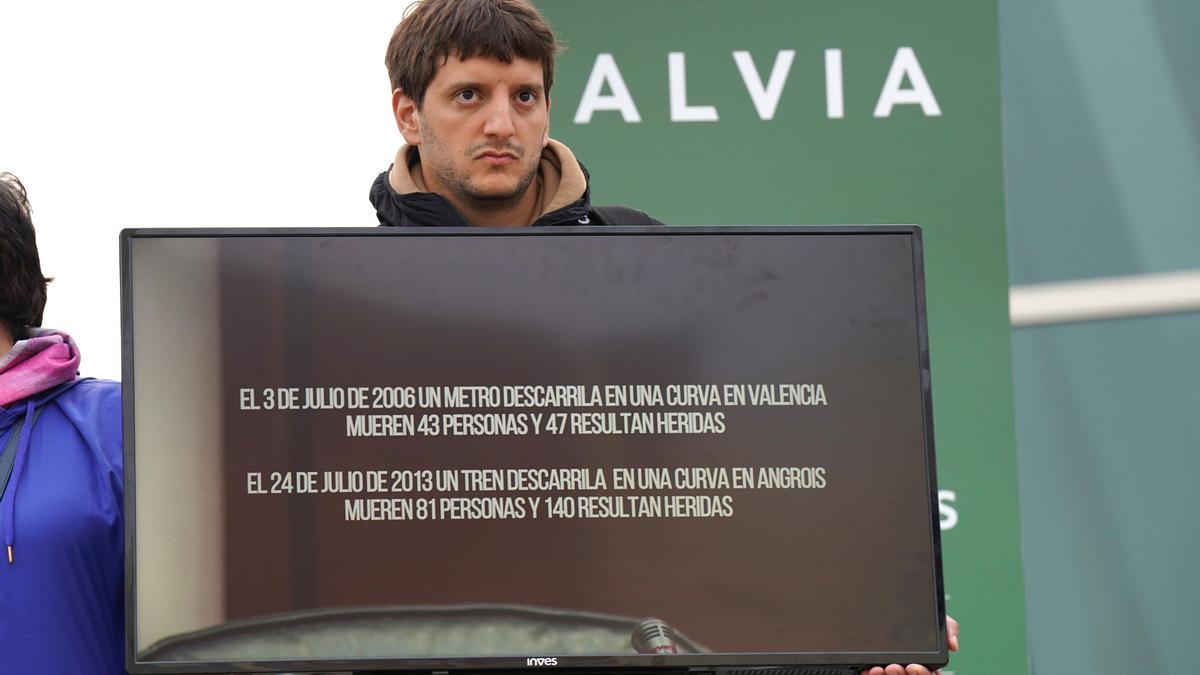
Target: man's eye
[(526, 97), (466, 95)]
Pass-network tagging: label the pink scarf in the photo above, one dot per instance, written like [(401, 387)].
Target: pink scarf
[(45, 360)]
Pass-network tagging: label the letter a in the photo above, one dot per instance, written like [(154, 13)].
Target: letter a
[(605, 71), (905, 64)]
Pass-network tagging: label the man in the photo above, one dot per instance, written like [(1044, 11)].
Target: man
[(471, 95)]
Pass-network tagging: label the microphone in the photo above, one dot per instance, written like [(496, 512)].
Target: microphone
[(653, 636)]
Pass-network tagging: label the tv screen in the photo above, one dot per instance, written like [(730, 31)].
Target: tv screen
[(577, 449)]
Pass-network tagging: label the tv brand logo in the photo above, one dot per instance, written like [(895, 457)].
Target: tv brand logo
[(540, 661)]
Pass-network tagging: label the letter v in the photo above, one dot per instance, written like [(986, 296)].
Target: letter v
[(766, 98)]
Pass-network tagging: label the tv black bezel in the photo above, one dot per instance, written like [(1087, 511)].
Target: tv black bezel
[(584, 665)]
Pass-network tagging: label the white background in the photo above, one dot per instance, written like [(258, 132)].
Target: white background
[(166, 114)]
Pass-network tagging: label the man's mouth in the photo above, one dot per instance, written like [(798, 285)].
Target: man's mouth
[(497, 157)]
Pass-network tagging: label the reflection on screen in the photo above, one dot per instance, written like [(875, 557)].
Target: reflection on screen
[(387, 447)]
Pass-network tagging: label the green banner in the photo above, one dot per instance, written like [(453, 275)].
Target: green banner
[(705, 112)]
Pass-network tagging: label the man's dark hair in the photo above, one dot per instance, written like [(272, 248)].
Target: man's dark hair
[(437, 29), (22, 286)]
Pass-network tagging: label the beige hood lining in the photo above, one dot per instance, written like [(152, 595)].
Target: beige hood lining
[(560, 179)]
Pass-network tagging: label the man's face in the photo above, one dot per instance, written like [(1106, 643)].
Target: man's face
[(480, 130)]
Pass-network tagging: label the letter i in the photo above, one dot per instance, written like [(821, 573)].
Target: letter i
[(834, 99)]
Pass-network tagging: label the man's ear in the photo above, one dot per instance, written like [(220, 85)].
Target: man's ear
[(408, 117), (546, 134)]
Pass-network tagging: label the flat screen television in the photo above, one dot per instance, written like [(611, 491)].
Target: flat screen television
[(577, 449)]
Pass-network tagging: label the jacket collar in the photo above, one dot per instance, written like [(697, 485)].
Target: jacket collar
[(400, 198)]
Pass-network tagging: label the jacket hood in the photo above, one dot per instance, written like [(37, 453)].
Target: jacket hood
[(401, 199)]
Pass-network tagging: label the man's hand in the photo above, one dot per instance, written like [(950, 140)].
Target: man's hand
[(914, 669)]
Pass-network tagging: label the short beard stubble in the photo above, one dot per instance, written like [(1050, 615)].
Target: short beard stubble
[(460, 186)]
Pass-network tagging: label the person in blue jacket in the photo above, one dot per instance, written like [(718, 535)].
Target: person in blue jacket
[(62, 561)]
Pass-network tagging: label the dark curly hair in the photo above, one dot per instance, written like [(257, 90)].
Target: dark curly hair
[(22, 286)]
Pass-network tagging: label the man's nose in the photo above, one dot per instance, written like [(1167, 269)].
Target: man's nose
[(499, 122)]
